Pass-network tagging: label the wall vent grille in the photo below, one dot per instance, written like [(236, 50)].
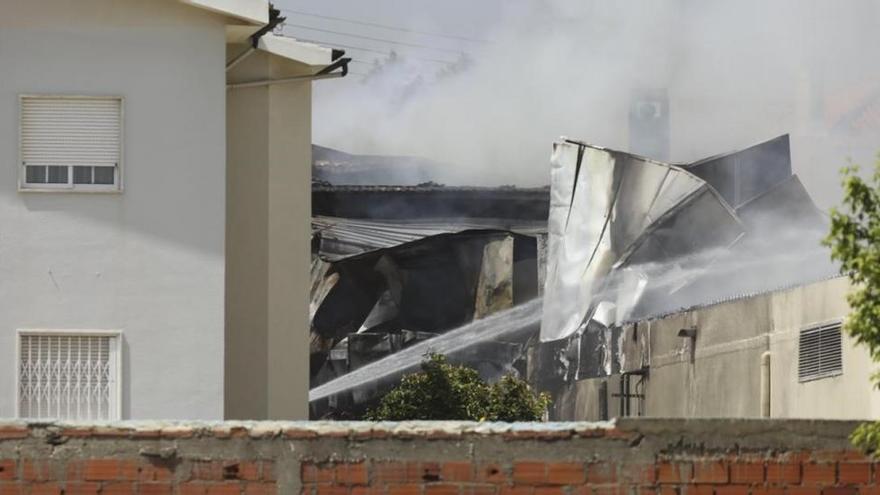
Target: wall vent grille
[(820, 353)]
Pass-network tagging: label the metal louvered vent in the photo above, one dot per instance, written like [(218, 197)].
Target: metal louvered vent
[(819, 353), (70, 142), (68, 376)]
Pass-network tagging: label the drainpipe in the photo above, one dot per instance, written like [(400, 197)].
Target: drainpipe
[(765, 384), (274, 20)]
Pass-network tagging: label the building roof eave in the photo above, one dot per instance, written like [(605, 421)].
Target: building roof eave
[(251, 12), (298, 51)]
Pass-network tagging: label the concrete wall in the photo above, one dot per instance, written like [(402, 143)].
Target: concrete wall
[(705, 457), (148, 261), (721, 376), (268, 241)]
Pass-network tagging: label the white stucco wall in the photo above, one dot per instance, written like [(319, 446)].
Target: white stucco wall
[(149, 261)]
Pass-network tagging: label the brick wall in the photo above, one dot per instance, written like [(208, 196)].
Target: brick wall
[(631, 457)]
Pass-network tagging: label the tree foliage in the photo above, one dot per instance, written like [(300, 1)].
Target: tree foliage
[(855, 243), (443, 391)]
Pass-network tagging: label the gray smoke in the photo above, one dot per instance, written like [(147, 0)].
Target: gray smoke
[(735, 73)]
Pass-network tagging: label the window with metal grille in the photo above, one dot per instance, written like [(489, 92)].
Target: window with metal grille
[(69, 375), (820, 352), (70, 142)]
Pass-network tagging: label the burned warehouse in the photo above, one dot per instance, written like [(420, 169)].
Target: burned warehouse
[(618, 244)]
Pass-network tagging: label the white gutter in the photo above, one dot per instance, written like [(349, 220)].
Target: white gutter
[(267, 82)]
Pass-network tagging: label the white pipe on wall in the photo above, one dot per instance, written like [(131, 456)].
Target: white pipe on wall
[(765, 384)]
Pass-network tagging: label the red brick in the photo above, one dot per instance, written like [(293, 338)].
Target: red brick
[(549, 490), (647, 490), (819, 474), (12, 488), (854, 473), (803, 490), (479, 489), (669, 490), (839, 490), (516, 490), (869, 490), (732, 490), (610, 490), (698, 490), (405, 489), (668, 472), (645, 474), (442, 489), (73, 470), (192, 489), (367, 490), (565, 473), (332, 490), (491, 473), (207, 471), (248, 471), (154, 489), (261, 489), (352, 474), (7, 470), (35, 471), (457, 471), (228, 488), (767, 490), (529, 472), (313, 473), (783, 473), (711, 472), (109, 469), (45, 489), (747, 472), (397, 472), (429, 471), (13, 432), (123, 488), (82, 488), (155, 472), (601, 473)]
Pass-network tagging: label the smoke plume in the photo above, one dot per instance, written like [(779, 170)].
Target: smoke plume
[(735, 73)]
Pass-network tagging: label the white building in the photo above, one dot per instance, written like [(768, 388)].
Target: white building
[(154, 215)]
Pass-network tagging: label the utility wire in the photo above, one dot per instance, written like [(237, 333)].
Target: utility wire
[(371, 50), (385, 26), (381, 40)]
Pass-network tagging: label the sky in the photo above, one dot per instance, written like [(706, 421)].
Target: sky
[(486, 86)]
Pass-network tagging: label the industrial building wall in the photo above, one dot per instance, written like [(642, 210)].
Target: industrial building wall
[(146, 261), (721, 375)]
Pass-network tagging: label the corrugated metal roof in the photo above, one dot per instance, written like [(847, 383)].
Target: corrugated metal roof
[(343, 237)]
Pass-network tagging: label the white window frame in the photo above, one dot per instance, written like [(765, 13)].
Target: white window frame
[(117, 411), (24, 186)]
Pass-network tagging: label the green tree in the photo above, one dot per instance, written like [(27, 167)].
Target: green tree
[(855, 243), (443, 391)]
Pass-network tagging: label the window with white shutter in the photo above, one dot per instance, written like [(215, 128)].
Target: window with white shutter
[(69, 375), (70, 143), (820, 352)]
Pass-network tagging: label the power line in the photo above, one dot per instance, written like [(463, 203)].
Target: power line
[(385, 26), (382, 40), (371, 50)]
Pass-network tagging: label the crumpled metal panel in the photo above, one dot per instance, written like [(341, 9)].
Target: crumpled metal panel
[(606, 207)]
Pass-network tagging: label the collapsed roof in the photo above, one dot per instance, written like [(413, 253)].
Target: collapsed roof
[(630, 237)]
